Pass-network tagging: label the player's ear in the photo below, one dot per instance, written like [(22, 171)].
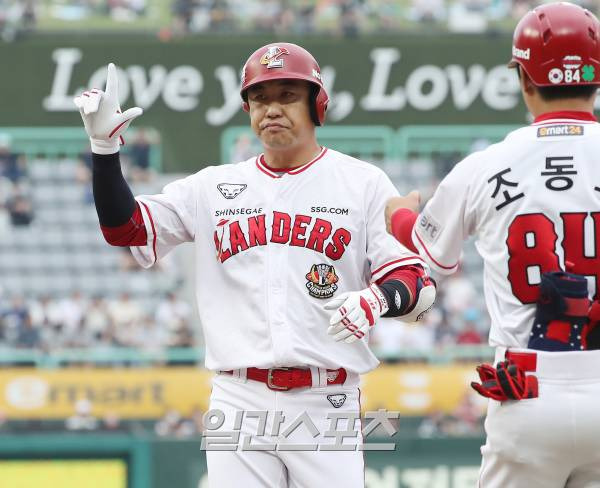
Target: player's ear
[(525, 81)]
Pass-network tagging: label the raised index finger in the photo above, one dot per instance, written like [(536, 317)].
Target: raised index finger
[(112, 82)]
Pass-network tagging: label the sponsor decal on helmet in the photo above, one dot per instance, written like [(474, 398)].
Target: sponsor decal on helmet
[(316, 74), (572, 62), (572, 74), (243, 73), (272, 58), (521, 53), (589, 72), (555, 76), (321, 281)]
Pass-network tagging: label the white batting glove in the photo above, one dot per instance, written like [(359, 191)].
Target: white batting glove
[(356, 313), (102, 117)]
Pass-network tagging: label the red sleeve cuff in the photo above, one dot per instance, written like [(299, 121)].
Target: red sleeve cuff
[(408, 275), (131, 233), (403, 221)]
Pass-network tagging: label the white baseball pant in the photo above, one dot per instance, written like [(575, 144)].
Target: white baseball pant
[(552, 441), (281, 466)]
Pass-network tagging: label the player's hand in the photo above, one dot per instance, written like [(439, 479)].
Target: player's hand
[(102, 117), (355, 313), (412, 201)]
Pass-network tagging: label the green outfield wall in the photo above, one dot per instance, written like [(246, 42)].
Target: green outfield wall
[(150, 462), (189, 87)]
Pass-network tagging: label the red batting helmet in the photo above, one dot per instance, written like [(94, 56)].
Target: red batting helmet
[(558, 45), (280, 61)]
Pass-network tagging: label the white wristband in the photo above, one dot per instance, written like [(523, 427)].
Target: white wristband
[(380, 298), (101, 146)]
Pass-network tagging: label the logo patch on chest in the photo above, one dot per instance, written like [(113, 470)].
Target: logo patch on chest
[(337, 400), (322, 281), (231, 190)]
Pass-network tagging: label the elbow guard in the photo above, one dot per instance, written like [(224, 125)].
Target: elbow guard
[(425, 298)]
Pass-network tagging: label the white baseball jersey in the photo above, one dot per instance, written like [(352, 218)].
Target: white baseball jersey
[(271, 249), (533, 203)]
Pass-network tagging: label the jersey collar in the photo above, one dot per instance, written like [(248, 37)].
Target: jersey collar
[(278, 173), (566, 115)]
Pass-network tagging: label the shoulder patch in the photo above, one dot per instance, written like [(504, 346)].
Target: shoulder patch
[(428, 228)]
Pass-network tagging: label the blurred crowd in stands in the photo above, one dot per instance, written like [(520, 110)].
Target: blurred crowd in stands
[(15, 199), (55, 321), (17, 17), (459, 318), (466, 419), (297, 17), (348, 18), (77, 321), (135, 159), (16, 188)]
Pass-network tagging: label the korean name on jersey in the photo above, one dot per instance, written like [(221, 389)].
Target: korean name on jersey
[(532, 202)]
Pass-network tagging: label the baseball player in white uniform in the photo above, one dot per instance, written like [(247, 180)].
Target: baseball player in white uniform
[(533, 203), (294, 266)]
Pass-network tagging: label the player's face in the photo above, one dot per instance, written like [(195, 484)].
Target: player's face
[(279, 113)]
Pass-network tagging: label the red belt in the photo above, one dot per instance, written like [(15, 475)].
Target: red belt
[(527, 361), (284, 379)]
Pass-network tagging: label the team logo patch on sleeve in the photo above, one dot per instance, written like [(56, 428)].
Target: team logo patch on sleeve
[(560, 130), (231, 190), (337, 400), (321, 281)]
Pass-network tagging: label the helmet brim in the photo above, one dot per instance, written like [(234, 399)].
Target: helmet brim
[(269, 77)]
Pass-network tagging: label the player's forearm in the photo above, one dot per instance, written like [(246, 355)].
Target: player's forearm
[(118, 213), (402, 221), (404, 282)]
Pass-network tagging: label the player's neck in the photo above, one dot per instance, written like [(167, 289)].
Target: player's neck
[(542, 107), (291, 158)]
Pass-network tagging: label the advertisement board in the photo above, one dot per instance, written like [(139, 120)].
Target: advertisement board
[(64, 473), (189, 88), (150, 392)]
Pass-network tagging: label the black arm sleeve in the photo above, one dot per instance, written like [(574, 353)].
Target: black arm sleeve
[(114, 201)]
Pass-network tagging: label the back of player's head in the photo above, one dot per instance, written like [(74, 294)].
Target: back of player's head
[(286, 61), (558, 45)]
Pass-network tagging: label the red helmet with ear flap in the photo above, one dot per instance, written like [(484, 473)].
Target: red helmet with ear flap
[(285, 61), (558, 44)]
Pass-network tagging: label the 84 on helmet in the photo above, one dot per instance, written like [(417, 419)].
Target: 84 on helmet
[(558, 45), (286, 61)]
